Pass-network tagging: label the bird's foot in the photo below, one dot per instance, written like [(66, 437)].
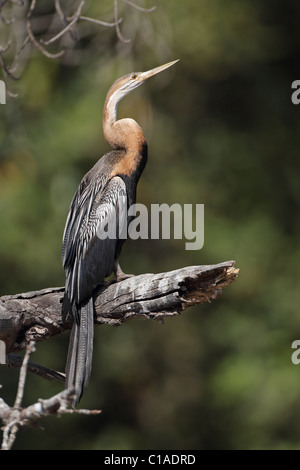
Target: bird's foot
[(123, 276), (118, 276)]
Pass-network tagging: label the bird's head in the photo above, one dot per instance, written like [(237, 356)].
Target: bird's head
[(126, 84)]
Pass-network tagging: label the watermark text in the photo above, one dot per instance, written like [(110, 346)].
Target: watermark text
[(2, 92), (296, 354), (160, 222), (295, 97)]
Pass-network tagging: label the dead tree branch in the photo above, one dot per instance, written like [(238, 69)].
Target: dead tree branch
[(36, 316)]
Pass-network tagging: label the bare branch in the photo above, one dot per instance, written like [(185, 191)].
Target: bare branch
[(6, 20), (12, 426), (63, 18), (120, 37), (23, 372), (149, 296), (19, 3), (60, 12), (33, 39), (5, 48), (137, 7), (25, 42), (56, 405), (70, 25), (101, 23), (14, 418), (5, 69)]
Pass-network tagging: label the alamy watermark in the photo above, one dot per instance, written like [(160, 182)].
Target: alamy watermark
[(295, 97), (295, 358), (2, 353), (161, 221), (2, 92)]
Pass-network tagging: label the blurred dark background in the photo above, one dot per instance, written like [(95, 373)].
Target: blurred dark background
[(222, 131)]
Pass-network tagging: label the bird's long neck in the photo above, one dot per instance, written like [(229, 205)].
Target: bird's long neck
[(121, 134)]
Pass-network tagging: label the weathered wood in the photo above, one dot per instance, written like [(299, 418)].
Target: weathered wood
[(36, 316)]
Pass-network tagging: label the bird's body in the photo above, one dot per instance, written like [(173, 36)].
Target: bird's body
[(88, 258)]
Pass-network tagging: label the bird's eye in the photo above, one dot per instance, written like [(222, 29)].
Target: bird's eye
[(133, 76)]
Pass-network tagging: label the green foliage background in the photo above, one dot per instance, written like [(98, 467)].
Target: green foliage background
[(222, 131)]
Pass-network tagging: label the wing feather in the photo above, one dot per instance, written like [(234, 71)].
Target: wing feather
[(89, 242)]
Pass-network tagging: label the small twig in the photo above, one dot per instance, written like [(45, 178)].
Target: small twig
[(11, 429), (23, 373), (6, 20), (5, 69), (63, 19), (11, 94), (25, 42), (80, 411), (19, 3), (118, 32), (33, 39), (101, 23), (68, 27), (137, 7), (5, 48), (16, 417), (56, 405), (9, 435), (59, 11)]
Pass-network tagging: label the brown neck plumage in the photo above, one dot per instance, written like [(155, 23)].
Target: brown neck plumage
[(123, 133)]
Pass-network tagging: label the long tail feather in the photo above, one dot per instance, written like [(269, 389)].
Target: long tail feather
[(80, 353)]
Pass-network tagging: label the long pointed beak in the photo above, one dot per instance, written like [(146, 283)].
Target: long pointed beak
[(145, 75)]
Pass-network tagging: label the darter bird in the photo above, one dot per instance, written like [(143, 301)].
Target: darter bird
[(89, 258)]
